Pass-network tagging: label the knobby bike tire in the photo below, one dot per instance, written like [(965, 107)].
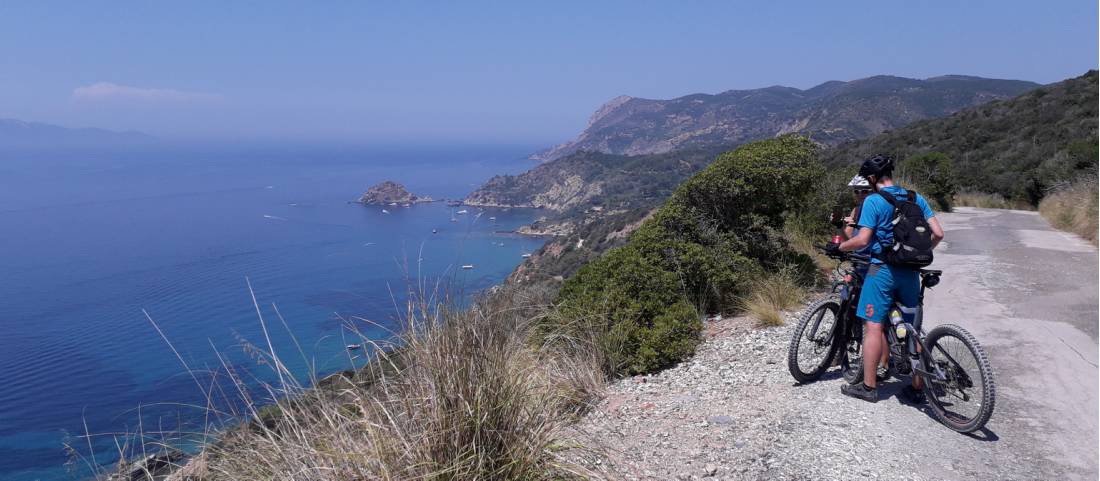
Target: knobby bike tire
[(809, 315), (985, 373)]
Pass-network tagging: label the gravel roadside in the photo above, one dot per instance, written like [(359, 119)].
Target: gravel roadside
[(735, 412)]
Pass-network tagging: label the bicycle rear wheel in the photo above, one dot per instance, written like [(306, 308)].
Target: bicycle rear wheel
[(964, 397), (814, 343)]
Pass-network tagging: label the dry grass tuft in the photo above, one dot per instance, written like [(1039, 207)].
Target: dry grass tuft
[(987, 201), (771, 296), (805, 244), (462, 394), (1073, 208)]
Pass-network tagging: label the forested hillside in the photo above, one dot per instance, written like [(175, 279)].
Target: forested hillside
[(1019, 148)]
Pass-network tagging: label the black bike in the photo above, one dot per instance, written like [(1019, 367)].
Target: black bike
[(958, 380)]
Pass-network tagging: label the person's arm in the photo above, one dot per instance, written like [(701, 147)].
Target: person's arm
[(933, 222), (849, 224), (937, 231), (859, 241)]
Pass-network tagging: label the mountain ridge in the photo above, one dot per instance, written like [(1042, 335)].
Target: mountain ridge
[(21, 134), (830, 113)]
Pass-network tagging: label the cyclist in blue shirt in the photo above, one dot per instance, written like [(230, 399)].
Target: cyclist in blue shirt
[(884, 282)]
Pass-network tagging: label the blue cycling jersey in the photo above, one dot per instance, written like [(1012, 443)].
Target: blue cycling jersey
[(877, 214)]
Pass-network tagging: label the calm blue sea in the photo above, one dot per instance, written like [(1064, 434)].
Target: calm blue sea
[(89, 239)]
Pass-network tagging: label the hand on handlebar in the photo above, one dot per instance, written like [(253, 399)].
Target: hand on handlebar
[(832, 249)]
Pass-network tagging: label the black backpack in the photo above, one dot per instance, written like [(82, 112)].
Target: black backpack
[(912, 247)]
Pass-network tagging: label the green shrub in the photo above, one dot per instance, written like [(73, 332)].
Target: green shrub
[(934, 172), (626, 299), (699, 253)]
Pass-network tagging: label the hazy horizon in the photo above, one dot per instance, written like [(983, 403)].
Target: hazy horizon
[(481, 73)]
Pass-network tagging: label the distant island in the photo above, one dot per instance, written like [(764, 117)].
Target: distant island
[(390, 192)]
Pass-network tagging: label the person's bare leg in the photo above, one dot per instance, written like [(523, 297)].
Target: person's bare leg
[(884, 359), (872, 351)]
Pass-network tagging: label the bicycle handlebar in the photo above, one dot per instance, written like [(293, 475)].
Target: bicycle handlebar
[(846, 256)]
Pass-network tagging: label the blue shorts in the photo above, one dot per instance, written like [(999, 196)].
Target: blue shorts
[(884, 285)]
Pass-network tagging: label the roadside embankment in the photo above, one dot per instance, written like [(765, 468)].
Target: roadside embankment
[(1073, 208)]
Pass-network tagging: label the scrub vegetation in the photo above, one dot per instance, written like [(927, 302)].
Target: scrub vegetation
[(1073, 207), (461, 394), (721, 231)]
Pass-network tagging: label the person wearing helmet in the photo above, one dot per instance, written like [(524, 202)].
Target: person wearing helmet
[(860, 190), (883, 282)]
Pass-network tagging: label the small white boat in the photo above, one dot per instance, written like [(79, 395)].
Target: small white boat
[(492, 218), (352, 347), (468, 266), (435, 231), (463, 211), (393, 204), (525, 256), (384, 211)]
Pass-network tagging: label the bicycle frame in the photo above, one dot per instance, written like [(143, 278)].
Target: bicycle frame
[(919, 360), (849, 286)]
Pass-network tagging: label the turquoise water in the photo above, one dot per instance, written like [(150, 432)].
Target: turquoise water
[(90, 239)]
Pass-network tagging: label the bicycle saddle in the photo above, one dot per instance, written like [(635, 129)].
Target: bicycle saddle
[(930, 277)]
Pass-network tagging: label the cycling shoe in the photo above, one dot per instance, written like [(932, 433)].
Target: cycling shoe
[(860, 391)]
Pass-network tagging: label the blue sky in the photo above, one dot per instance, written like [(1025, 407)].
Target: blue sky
[(500, 72)]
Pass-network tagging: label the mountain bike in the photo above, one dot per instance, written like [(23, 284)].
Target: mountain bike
[(829, 333), (958, 379)]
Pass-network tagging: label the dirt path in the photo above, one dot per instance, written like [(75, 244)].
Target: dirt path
[(1027, 292)]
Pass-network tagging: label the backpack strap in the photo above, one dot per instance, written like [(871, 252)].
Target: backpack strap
[(893, 201)]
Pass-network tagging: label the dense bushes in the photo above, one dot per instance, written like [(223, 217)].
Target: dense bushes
[(934, 173), (719, 231)]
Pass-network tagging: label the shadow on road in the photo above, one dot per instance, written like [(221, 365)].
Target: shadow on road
[(892, 389)]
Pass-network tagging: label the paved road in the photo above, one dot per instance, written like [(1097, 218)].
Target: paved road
[(1029, 294), (733, 412)]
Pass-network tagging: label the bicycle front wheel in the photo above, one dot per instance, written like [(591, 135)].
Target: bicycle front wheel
[(962, 391), (815, 340), (851, 361)]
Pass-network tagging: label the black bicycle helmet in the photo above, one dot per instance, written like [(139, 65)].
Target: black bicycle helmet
[(878, 166)]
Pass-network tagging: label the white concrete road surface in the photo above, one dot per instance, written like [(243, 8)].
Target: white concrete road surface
[(1029, 294)]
